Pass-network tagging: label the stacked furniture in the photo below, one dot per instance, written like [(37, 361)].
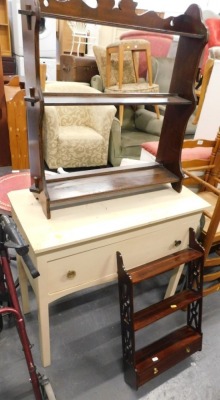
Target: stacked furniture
[(161, 45), (142, 125), (134, 47), (180, 101), (90, 233)]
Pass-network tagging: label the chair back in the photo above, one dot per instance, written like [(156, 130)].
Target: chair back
[(210, 235), (199, 156)]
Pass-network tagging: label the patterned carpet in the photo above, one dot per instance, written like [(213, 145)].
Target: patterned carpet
[(11, 182)]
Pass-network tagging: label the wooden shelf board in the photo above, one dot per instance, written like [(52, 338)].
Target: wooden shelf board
[(164, 308), (162, 265), (51, 99), (106, 183), (166, 352)]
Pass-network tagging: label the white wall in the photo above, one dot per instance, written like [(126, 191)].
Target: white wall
[(177, 7), (170, 7), (209, 120)]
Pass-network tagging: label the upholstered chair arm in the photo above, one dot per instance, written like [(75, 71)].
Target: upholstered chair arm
[(50, 133), (100, 119), (114, 152), (97, 83)]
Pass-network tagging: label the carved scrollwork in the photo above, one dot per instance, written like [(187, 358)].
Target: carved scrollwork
[(128, 349), (195, 275)]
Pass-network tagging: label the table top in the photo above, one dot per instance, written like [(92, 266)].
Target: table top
[(87, 222)]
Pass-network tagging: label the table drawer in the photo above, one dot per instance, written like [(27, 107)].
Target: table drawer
[(74, 269)]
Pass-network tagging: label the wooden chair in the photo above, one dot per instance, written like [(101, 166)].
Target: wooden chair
[(135, 46), (200, 93), (210, 234), (199, 157), (201, 173), (197, 154)]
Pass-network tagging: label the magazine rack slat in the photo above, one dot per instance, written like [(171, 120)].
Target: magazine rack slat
[(180, 102)]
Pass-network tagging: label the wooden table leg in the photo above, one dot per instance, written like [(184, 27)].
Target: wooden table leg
[(174, 280), (44, 331)]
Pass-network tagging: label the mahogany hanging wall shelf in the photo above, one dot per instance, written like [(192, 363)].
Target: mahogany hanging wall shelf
[(106, 183)]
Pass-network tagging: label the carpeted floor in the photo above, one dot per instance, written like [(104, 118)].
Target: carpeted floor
[(86, 351), (87, 355)]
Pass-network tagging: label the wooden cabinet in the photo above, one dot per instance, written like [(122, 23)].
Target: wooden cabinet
[(180, 101), (5, 38), (17, 125), (147, 362)]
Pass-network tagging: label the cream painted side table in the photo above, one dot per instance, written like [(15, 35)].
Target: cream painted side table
[(77, 247)]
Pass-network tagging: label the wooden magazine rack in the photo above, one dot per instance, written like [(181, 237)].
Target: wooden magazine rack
[(79, 187)]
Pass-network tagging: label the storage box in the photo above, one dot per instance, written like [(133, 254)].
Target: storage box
[(77, 69)]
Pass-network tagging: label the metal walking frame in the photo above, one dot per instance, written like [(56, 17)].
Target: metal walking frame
[(10, 238)]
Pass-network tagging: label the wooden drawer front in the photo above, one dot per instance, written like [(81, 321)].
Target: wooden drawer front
[(71, 272)]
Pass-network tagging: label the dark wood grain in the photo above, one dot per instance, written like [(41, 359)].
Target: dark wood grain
[(106, 185), (162, 265), (55, 99), (144, 364)]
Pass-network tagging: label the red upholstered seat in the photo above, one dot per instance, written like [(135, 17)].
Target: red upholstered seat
[(213, 25), (200, 153), (160, 45)]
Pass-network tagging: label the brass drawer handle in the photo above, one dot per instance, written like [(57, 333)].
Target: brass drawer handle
[(155, 371), (188, 349), (71, 274)]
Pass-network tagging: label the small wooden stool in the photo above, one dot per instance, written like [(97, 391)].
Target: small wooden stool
[(135, 46)]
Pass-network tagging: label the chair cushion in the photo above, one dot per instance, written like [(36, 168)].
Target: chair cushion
[(142, 87), (128, 75), (161, 45), (195, 153), (80, 145), (148, 122)]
